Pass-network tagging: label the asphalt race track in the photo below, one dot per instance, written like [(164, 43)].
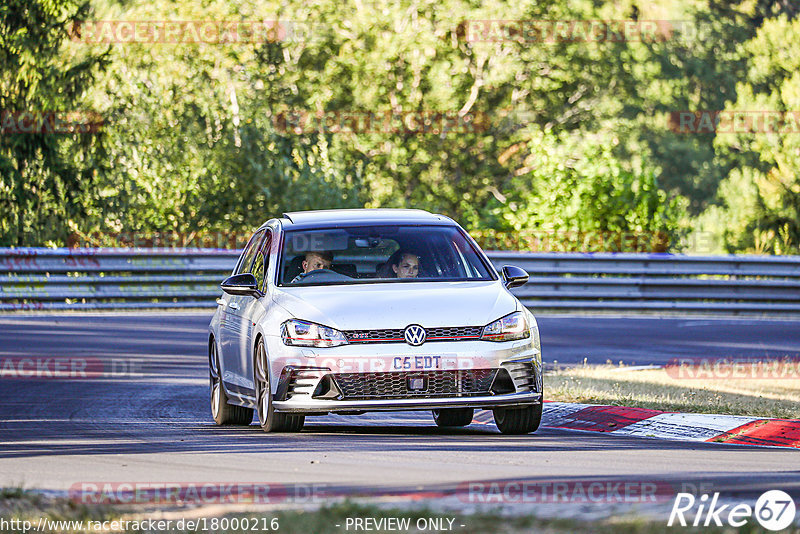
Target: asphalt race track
[(151, 423)]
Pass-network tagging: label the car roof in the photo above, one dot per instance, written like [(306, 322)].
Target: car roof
[(354, 217)]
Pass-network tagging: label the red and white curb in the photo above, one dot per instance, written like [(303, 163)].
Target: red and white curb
[(642, 422)]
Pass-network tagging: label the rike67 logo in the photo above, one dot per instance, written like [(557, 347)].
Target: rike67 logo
[(774, 510)]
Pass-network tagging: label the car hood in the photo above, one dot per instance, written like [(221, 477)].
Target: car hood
[(396, 305)]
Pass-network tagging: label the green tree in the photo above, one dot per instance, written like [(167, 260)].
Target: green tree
[(192, 140), (43, 177), (416, 56), (576, 195), (759, 207)]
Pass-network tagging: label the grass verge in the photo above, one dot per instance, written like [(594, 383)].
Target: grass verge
[(672, 391)]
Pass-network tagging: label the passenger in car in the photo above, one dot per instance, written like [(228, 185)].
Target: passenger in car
[(313, 262), (406, 265)]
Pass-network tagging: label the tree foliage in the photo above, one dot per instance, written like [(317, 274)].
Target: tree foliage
[(760, 197), (577, 195), (567, 137), (43, 177)]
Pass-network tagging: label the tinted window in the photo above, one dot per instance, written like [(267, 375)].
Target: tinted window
[(379, 254)]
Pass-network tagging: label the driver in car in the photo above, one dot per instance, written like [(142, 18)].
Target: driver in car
[(314, 261)]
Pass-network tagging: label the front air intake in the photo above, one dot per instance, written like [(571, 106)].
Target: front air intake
[(424, 384), (523, 374)]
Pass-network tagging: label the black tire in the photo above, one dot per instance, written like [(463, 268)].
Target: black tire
[(518, 420), (222, 412), (268, 418), (453, 416)]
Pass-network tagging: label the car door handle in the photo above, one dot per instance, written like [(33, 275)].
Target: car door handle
[(233, 306)]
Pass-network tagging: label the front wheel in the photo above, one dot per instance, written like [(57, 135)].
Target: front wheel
[(453, 416), (518, 420), (222, 412), (268, 418)]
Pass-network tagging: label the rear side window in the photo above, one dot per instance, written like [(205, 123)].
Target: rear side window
[(249, 253)]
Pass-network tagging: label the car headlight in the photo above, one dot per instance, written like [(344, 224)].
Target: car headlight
[(512, 326), (306, 334)]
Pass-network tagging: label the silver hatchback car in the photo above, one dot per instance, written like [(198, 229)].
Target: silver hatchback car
[(350, 311)]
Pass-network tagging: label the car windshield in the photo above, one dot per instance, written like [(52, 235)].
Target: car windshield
[(379, 254)]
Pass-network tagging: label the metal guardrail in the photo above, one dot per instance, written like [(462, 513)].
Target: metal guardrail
[(641, 282), (81, 279), (73, 279)]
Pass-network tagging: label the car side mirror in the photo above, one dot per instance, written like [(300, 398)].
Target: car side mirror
[(241, 284), (514, 276)]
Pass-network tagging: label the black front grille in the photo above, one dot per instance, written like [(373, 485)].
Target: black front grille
[(458, 333), (395, 335), (391, 335), (461, 383)]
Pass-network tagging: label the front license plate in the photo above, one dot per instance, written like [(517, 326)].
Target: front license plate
[(417, 383), (417, 363)]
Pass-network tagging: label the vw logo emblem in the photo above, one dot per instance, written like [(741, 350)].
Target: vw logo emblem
[(414, 334)]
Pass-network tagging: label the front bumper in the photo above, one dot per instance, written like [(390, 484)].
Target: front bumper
[(300, 375), (328, 406)]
